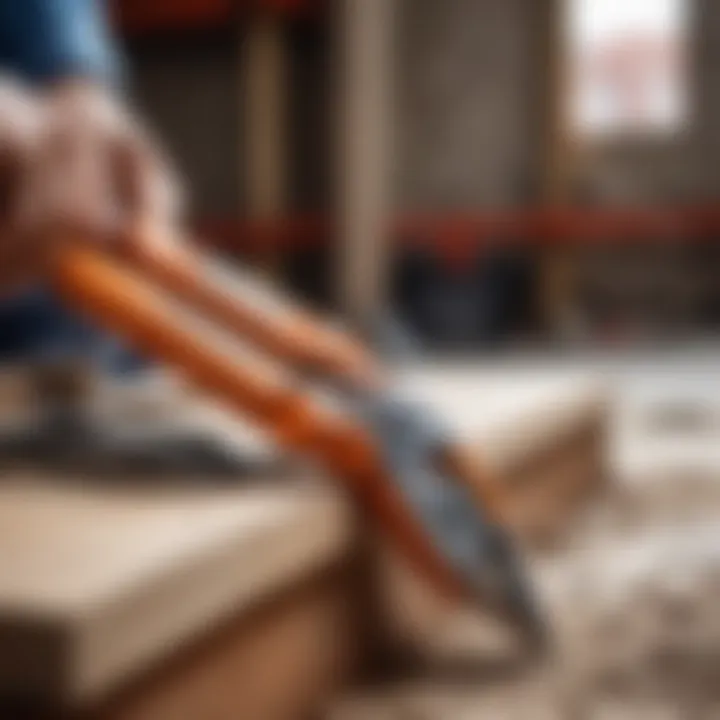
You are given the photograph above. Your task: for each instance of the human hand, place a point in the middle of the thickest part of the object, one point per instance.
(75, 162)
(21, 122)
(98, 168)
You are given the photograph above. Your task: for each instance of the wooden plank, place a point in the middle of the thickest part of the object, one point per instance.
(286, 660)
(115, 580)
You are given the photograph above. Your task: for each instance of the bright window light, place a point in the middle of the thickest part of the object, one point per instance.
(628, 66)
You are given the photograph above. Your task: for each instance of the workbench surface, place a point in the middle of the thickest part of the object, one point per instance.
(102, 579)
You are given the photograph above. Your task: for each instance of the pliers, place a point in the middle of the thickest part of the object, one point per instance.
(184, 309)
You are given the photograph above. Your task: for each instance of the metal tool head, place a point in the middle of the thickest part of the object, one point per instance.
(480, 553)
(503, 582)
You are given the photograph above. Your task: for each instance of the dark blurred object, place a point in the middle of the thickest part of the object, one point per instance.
(465, 281)
(308, 272)
(482, 300)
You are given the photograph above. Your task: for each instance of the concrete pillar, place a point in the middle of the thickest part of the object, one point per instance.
(364, 36)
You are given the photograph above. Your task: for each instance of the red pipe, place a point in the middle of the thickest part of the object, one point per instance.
(142, 16)
(456, 237)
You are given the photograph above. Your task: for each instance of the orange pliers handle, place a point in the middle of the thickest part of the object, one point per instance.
(291, 334)
(126, 300)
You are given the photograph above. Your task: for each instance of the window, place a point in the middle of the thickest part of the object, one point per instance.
(628, 66)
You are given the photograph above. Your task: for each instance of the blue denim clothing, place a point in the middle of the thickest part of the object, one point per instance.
(42, 41)
(34, 325)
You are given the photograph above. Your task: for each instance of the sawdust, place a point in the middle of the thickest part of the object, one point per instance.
(634, 602)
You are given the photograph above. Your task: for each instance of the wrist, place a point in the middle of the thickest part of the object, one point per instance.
(75, 89)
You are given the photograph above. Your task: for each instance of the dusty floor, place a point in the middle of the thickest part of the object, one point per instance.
(633, 602)
(633, 596)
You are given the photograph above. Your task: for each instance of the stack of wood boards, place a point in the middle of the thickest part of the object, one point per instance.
(132, 601)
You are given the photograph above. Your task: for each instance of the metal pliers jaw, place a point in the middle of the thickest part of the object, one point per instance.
(479, 551)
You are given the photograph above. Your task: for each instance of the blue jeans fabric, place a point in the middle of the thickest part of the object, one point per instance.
(36, 327)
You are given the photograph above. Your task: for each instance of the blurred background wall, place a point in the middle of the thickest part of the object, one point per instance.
(480, 126)
(472, 108)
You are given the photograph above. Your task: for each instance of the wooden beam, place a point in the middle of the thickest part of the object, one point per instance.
(364, 36)
(264, 103)
(557, 267)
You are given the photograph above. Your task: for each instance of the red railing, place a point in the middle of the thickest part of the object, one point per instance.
(453, 236)
(135, 17)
